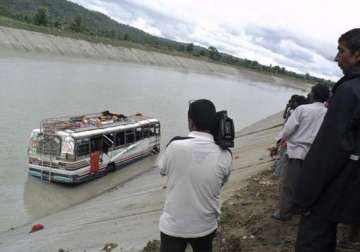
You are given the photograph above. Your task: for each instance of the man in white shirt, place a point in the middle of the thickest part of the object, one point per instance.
(197, 169)
(299, 133)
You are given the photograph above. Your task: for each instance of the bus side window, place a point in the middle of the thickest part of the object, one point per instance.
(119, 138)
(108, 140)
(83, 147)
(157, 129)
(152, 130)
(139, 134)
(95, 143)
(130, 136)
(146, 132)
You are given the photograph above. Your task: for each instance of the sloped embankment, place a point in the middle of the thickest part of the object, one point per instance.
(29, 41)
(246, 226)
(23, 41)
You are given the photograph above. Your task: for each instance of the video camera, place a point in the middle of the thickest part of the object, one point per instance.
(223, 131)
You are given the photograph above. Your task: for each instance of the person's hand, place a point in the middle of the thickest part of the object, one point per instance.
(283, 142)
(273, 151)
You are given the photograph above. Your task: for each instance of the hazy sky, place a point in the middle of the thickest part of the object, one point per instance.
(299, 35)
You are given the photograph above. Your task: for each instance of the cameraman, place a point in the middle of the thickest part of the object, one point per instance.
(197, 169)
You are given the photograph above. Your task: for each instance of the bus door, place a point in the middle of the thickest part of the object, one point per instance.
(95, 153)
(108, 144)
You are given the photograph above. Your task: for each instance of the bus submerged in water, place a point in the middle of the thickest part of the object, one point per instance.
(79, 148)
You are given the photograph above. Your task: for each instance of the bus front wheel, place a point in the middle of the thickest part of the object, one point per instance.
(111, 167)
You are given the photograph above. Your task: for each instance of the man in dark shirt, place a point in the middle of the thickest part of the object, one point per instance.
(329, 183)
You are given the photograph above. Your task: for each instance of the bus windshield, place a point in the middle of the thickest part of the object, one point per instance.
(44, 144)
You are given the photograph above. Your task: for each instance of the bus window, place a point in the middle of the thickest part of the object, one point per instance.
(130, 136)
(83, 147)
(108, 141)
(95, 143)
(119, 138)
(34, 142)
(139, 134)
(157, 129)
(149, 131)
(152, 130)
(145, 132)
(49, 145)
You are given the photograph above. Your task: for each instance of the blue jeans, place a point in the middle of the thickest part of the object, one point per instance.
(281, 162)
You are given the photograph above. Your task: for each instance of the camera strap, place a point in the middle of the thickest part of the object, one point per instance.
(227, 149)
(177, 138)
(184, 138)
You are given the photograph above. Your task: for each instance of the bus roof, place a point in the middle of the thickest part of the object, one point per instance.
(98, 131)
(93, 124)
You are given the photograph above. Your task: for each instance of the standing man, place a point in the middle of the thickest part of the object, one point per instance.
(299, 133)
(197, 169)
(329, 183)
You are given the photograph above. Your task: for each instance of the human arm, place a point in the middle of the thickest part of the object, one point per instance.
(162, 163)
(291, 124)
(225, 163)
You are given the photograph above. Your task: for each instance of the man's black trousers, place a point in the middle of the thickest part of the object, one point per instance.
(316, 234)
(177, 244)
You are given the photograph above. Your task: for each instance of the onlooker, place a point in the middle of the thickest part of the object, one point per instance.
(288, 107)
(197, 169)
(299, 133)
(329, 184)
(293, 103)
(281, 162)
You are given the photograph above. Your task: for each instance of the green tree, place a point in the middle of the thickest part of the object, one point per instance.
(76, 25)
(112, 34)
(4, 12)
(213, 53)
(41, 16)
(190, 47)
(58, 25)
(276, 69)
(27, 19)
(203, 53)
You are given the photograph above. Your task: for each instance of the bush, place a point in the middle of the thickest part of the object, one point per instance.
(41, 16)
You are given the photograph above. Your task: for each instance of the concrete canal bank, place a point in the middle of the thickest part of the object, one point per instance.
(39, 43)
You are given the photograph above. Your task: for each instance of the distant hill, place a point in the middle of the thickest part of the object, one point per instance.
(63, 14)
(68, 19)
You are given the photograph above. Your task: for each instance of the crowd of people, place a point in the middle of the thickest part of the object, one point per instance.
(303, 121)
(319, 169)
(319, 150)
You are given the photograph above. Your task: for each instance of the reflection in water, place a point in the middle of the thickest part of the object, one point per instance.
(42, 198)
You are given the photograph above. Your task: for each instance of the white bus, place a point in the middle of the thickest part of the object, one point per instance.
(80, 148)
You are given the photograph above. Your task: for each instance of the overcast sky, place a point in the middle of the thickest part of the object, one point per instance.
(299, 35)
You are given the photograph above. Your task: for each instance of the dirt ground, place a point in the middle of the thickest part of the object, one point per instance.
(246, 225)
